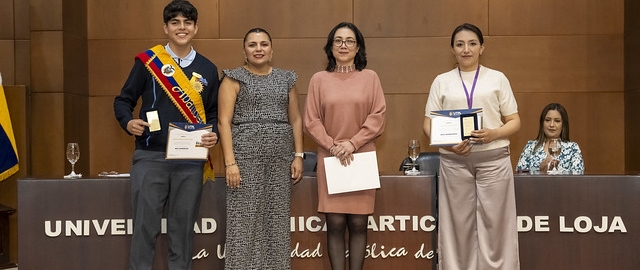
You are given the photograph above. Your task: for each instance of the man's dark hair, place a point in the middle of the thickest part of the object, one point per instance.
(180, 7)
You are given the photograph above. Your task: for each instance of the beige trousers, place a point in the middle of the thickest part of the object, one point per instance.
(477, 227)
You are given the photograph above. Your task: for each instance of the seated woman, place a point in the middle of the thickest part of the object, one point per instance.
(554, 123)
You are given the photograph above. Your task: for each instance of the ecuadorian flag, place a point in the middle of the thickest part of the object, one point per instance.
(8, 150)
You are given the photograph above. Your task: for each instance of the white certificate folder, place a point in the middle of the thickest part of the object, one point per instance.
(450, 127)
(361, 174)
(184, 141)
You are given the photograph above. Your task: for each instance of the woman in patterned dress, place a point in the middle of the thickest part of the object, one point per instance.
(345, 112)
(554, 123)
(261, 136)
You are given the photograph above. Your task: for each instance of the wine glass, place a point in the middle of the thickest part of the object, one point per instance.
(73, 154)
(554, 150)
(414, 152)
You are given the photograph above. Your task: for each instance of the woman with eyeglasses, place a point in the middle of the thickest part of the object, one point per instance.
(345, 113)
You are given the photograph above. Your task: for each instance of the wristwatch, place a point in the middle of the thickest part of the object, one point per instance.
(299, 155)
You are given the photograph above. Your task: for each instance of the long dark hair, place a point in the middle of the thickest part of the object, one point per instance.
(361, 56)
(564, 134)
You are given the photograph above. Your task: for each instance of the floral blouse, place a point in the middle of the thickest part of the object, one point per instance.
(570, 158)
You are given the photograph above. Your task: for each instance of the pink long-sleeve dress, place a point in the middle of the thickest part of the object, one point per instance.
(344, 107)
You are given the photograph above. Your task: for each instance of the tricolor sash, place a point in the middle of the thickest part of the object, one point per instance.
(184, 93)
(175, 83)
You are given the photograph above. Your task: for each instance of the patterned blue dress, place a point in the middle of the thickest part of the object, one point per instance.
(570, 158)
(258, 213)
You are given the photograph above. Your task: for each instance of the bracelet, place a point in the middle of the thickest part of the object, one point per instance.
(229, 165)
(299, 155)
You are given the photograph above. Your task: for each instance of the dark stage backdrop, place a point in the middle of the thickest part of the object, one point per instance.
(565, 222)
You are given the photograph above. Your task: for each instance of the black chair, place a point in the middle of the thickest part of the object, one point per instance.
(310, 163)
(427, 163)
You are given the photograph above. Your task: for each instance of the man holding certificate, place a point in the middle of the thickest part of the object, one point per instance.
(179, 91)
(464, 116)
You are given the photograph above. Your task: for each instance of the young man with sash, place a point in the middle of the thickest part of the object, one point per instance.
(176, 84)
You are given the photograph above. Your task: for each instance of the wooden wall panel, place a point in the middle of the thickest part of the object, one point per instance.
(74, 19)
(22, 62)
(6, 20)
(404, 118)
(558, 63)
(417, 18)
(75, 77)
(632, 85)
(47, 61)
(108, 140)
(552, 17)
(22, 19)
(408, 65)
(285, 18)
(45, 15)
(75, 129)
(111, 61)
(7, 64)
(47, 135)
(632, 118)
(143, 19)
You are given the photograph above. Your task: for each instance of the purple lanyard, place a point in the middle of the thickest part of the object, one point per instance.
(473, 88)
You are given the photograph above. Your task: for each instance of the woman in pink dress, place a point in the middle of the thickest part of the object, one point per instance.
(345, 113)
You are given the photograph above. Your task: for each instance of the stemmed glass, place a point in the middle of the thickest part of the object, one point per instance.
(73, 154)
(554, 150)
(414, 152)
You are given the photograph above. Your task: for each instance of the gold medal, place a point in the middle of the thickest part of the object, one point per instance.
(197, 86)
(195, 82)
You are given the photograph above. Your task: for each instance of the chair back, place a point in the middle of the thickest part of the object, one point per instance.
(427, 163)
(310, 163)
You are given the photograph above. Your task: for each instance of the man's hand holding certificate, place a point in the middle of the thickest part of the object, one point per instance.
(450, 127)
(184, 141)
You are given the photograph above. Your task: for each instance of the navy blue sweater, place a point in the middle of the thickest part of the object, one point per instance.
(141, 83)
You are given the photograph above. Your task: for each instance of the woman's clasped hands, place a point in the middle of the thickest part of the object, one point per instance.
(343, 151)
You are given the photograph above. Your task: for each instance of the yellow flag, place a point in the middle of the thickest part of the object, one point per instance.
(8, 150)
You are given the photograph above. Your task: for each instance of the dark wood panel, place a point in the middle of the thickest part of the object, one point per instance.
(550, 17)
(551, 64)
(143, 19)
(284, 18)
(6, 20)
(417, 18)
(47, 62)
(47, 137)
(564, 222)
(7, 65)
(45, 15)
(403, 221)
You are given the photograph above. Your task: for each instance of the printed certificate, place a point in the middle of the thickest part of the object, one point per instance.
(184, 141)
(361, 174)
(450, 127)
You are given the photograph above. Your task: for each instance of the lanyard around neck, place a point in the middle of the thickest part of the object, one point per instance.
(473, 87)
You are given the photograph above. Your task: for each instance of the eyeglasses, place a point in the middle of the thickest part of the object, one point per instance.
(349, 42)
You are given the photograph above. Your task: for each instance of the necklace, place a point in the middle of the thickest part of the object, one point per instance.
(260, 72)
(345, 69)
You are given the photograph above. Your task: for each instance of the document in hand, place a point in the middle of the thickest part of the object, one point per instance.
(361, 174)
(184, 141)
(450, 127)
